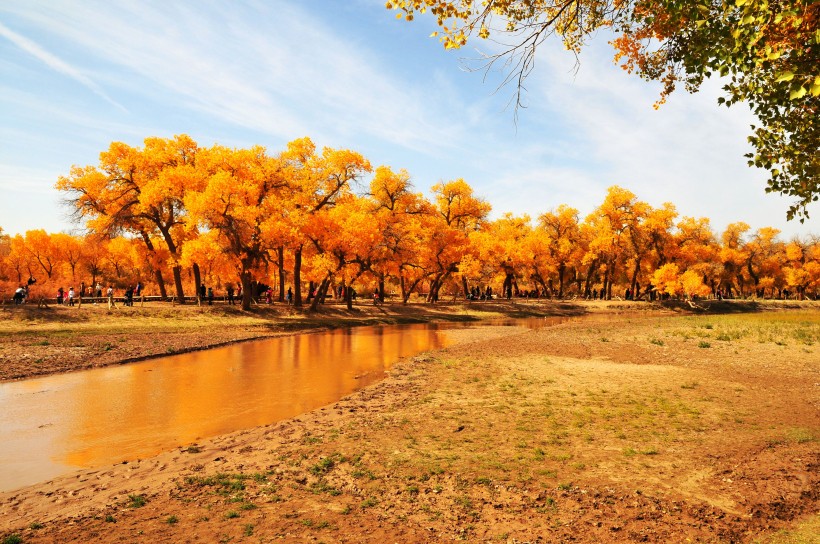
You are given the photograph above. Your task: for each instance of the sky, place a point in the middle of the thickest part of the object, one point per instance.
(76, 76)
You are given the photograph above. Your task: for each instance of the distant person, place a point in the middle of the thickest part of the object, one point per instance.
(230, 293)
(60, 295)
(210, 296)
(110, 294)
(289, 296)
(71, 296)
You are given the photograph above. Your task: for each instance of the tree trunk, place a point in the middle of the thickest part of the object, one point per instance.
(247, 289)
(464, 287)
(432, 296)
(349, 296)
(280, 253)
(297, 278)
(177, 270)
(160, 283)
(319, 292)
(610, 280)
(588, 282)
(323, 292)
(546, 288)
(407, 291)
(635, 275)
(561, 270)
(197, 278)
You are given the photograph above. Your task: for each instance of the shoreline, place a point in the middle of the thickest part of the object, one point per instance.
(37, 342)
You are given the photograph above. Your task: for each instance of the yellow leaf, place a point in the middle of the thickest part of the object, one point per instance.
(797, 93)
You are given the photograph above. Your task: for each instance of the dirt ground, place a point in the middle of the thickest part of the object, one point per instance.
(623, 423)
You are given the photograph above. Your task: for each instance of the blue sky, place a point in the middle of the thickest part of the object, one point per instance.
(75, 76)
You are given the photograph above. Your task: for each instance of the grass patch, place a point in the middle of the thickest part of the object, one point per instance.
(136, 501)
(800, 435)
(804, 533)
(326, 464)
(368, 503)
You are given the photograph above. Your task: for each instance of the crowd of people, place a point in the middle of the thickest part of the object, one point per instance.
(265, 294)
(94, 294)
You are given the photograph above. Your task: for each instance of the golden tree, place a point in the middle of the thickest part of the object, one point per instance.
(138, 191)
(562, 239)
(317, 182)
(240, 198)
(404, 218)
(459, 212)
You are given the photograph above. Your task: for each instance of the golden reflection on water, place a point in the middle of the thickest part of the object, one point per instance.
(97, 417)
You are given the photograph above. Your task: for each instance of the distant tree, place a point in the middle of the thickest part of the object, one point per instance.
(563, 234)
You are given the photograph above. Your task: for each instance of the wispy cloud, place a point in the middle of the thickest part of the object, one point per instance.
(275, 69)
(689, 152)
(55, 63)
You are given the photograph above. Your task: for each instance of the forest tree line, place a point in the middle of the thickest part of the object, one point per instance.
(173, 215)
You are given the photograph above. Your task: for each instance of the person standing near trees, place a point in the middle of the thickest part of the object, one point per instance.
(110, 295)
(71, 296)
(210, 296)
(229, 288)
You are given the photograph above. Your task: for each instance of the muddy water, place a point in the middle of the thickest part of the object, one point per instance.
(52, 425)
